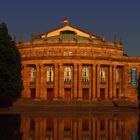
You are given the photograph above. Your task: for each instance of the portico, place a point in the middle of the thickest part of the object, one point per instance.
(73, 81)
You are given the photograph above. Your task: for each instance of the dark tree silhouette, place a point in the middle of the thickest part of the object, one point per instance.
(10, 69)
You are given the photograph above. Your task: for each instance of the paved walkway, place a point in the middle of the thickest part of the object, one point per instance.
(34, 106)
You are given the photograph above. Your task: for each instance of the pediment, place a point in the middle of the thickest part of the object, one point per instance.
(69, 28)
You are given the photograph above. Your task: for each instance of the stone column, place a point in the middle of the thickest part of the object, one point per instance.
(37, 81)
(106, 84)
(27, 76)
(23, 79)
(126, 80)
(56, 82)
(123, 81)
(110, 82)
(80, 82)
(120, 82)
(94, 82)
(75, 82)
(114, 82)
(26, 81)
(61, 81)
(43, 87)
(98, 81)
(90, 82)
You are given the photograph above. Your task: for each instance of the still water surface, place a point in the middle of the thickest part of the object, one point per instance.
(70, 126)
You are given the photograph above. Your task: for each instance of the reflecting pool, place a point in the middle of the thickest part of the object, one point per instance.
(70, 126)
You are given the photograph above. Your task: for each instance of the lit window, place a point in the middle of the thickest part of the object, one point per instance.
(67, 74)
(84, 53)
(102, 75)
(50, 73)
(51, 52)
(67, 53)
(85, 74)
(33, 74)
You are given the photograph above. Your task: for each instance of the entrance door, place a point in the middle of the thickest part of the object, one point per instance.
(85, 93)
(33, 93)
(50, 124)
(67, 94)
(50, 93)
(67, 125)
(102, 93)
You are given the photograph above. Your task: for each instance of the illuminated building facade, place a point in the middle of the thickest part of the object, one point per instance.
(68, 63)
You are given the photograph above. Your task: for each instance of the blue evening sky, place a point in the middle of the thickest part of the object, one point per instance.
(110, 17)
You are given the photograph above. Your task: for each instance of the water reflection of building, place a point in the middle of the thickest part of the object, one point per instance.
(71, 64)
(80, 128)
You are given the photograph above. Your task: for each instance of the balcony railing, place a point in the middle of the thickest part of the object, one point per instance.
(50, 82)
(68, 82)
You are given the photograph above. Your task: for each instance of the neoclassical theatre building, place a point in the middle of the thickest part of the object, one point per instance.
(68, 63)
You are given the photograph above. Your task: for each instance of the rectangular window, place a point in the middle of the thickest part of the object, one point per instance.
(50, 74)
(67, 53)
(133, 76)
(33, 74)
(67, 74)
(85, 74)
(102, 75)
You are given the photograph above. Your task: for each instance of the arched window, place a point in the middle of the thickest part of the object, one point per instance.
(50, 74)
(67, 74)
(102, 75)
(85, 74)
(33, 74)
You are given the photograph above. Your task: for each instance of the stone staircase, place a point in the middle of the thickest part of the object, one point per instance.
(62, 103)
(125, 103)
(26, 105)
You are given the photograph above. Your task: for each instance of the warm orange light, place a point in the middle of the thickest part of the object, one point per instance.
(65, 20)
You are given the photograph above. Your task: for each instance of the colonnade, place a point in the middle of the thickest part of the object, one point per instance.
(110, 86)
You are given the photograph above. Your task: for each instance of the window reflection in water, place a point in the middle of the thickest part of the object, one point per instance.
(82, 127)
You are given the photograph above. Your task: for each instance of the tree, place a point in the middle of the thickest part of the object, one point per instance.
(10, 69)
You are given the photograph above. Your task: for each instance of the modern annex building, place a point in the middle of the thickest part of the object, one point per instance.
(68, 63)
